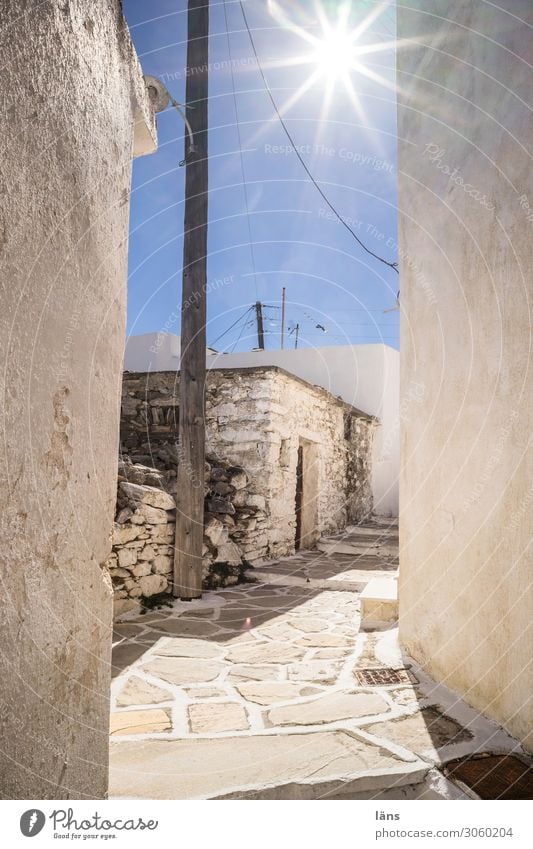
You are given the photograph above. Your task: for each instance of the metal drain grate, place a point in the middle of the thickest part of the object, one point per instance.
(383, 676)
(493, 776)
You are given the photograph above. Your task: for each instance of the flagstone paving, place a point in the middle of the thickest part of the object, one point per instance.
(251, 693)
(348, 560)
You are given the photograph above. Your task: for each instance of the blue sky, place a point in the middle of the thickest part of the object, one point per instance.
(350, 147)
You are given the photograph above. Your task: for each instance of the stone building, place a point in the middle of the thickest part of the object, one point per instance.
(74, 111)
(364, 376)
(287, 462)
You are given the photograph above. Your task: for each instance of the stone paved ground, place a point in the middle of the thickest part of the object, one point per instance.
(346, 561)
(252, 692)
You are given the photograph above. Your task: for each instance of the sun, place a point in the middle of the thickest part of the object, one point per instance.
(335, 54)
(337, 49)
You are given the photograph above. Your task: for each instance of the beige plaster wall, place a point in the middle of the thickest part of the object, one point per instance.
(72, 93)
(466, 257)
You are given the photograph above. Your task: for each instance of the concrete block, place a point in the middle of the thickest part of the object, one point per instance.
(379, 602)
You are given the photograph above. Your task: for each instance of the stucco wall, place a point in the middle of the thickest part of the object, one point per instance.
(152, 352)
(366, 376)
(72, 93)
(466, 257)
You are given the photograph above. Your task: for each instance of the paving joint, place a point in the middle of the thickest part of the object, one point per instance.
(250, 692)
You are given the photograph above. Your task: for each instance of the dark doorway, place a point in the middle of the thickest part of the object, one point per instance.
(306, 496)
(299, 497)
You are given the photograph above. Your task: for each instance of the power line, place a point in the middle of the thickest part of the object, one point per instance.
(237, 124)
(348, 336)
(245, 325)
(353, 310)
(232, 325)
(393, 265)
(322, 313)
(338, 327)
(313, 321)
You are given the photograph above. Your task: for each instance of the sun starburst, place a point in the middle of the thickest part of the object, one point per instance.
(335, 49)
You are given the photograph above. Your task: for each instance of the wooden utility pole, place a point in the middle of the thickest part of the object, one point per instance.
(282, 317)
(260, 330)
(191, 451)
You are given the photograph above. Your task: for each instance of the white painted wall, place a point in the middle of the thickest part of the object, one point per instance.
(366, 376)
(466, 248)
(152, 352)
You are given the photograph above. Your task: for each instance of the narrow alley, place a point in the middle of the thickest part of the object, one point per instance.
(272, 690)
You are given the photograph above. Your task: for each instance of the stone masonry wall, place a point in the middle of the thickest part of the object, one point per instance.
(255, 420)
(141, 562)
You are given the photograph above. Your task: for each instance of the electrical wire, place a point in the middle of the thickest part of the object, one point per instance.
(313, 321)
(231, 326)
(355, 309)
(342, 310)
(246, 324)
(393, 265)
(237, 124)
